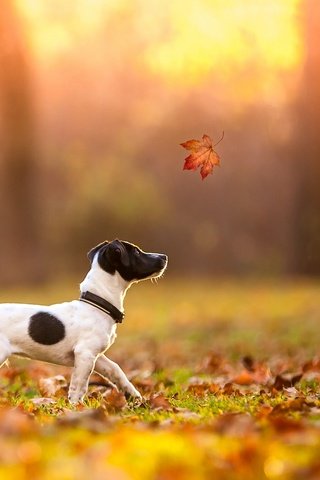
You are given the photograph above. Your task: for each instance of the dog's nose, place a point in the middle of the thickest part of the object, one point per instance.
(164, 258)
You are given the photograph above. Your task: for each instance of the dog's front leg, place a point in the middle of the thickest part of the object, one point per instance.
(84, 361)
(111, 370)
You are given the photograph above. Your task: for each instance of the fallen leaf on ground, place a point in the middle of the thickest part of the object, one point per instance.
(43, 401)
(159, 402)
(114, 400)
(145, 385)
(258, 373)
(53, 386)
(202, 155)
(244, 378)
(248, 363)
(284, 381)
(312, 365)
(202, 389)
(214, 363)
(295, 405)
(291, 392)
(229, 389)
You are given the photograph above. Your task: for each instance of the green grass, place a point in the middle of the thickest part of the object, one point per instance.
(170, 331)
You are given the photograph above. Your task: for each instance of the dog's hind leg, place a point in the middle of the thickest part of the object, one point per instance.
(5, 349)
(108, 369)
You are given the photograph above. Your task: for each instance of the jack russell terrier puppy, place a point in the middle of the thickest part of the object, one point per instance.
(77, 333)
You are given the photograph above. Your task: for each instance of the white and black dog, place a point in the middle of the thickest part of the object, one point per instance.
(77, 333)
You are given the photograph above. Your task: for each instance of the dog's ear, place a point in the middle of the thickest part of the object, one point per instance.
(91, 254)
(118, 254)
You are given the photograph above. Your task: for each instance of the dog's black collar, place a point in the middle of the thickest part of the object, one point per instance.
(102, 305)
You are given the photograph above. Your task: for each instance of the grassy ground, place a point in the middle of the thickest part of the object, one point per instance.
(230, 378)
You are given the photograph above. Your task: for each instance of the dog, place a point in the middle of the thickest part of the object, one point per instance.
(77, 333)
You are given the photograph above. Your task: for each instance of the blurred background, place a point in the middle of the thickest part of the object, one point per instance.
(97, 95)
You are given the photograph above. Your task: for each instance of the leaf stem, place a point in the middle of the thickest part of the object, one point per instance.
(220, 139)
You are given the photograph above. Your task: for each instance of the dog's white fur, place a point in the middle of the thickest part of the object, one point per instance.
(89, 333)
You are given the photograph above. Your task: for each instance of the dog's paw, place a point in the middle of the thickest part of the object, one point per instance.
(75, 398)
(132, 395)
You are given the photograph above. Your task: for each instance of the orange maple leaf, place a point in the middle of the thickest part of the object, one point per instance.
(202, 154)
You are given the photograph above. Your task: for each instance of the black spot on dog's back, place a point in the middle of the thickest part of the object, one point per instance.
(46, 328)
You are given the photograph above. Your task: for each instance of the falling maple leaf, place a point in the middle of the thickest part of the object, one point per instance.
(202, 154)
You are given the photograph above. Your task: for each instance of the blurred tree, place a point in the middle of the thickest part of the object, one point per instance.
(306, 254)
(19, 238)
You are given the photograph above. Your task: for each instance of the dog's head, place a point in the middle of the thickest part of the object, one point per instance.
(128, 260)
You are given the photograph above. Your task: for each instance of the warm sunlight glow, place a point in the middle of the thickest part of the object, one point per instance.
(225, 36)
(56, 26)
(182, 43)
